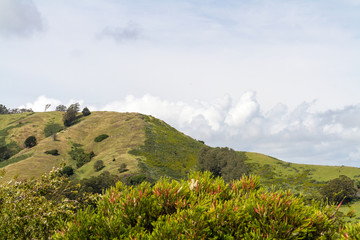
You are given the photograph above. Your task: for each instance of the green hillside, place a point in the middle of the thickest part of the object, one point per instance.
(156, 149)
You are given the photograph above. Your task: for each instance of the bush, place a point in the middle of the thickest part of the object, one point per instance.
(34, 209)
(67, 170)
(123, 168)
(30, 142)
(101, 137)
(80, 156)
(203, 207)
(86, 111)
(53, 152)
(98, 165)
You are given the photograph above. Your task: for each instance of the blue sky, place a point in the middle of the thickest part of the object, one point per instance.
(277, 77)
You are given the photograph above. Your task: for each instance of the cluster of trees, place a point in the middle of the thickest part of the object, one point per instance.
(5, 110)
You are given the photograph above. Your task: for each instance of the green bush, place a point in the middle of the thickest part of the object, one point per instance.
(68, 170)
(35, 209)
(54, 152)
(30, 142)
(123, 168)
(86, 111)
(98, 165)
(79, 155)
(204, 207)
(101, 137)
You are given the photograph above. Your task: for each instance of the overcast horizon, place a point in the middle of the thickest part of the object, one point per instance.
(276, 77)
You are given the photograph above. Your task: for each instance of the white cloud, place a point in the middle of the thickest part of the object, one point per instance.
(299, 135)
(39, 104)
(19, 18)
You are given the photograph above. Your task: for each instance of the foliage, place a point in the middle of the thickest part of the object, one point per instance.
(61, 108)
(203, 207)
(340, 189)
(67, 170)
(86, 111)
(30, 142)
(78, 154)
(3, 109)
(99, 183)
(15, 159)
(35, 209)
(223, 162)
(52, 128)
(70, 114)
(53, 152)
(101, 137)
(166, 152)
(98, 165)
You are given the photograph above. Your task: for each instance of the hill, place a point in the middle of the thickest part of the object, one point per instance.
(145, 144)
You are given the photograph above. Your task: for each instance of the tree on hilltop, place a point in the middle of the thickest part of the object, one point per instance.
(70, 114)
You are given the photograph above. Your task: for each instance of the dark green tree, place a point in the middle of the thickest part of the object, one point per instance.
(86, 111)
(30, 142)
(70, 114)
(99, 183)
(339, 189)
(98, 165)
(222, 162)
(61, 108)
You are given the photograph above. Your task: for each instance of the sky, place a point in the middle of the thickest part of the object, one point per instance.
(270, 76)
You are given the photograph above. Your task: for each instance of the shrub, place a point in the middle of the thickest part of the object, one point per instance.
(79, 155)
(86, 111)
(30, 142)
(98, 165)
(53, 152)
(203, 207)
(101, 137)
(123, 168)
(68, 170)
(34, 209)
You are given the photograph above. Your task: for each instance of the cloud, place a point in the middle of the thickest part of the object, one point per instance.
(19, 18)
(300, 134)
(120, 34)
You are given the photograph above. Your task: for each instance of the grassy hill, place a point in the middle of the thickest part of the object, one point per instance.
(156, 149)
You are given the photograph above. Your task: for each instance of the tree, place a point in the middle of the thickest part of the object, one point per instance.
(86, 111)
(30, 142)
(98, 165)
(222, 162)
(70, 114)
(61, 108)
(3, 109)
(339, 189)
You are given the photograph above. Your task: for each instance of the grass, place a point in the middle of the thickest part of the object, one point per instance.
(125, 130)
(166, 151)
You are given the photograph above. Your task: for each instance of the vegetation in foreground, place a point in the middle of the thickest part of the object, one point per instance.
(201, 207)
